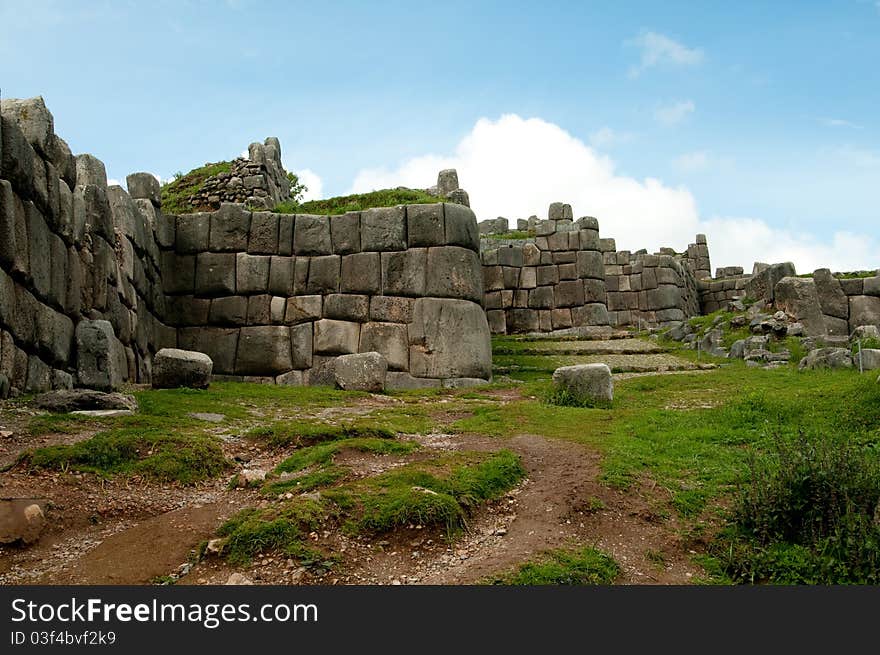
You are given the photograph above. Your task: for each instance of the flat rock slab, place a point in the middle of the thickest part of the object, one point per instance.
(103, 413)
(76, 400)
(207, 416)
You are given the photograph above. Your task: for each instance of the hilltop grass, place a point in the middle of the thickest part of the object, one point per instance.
(512, 234)
(359, 202)
(586, 566)
(176, 194)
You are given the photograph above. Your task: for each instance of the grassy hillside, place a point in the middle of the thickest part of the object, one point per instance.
(176, 194)
(358, 202)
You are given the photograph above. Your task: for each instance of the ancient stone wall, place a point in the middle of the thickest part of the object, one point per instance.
(279, 296)
(555, 281)
(727, 286)
(79, 263)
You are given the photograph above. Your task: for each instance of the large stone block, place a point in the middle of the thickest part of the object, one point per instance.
(230, 227)
(311, 235)
(285, 234)
(520, 320)
(542, 298)
(324, 273)
(39, 376)
(220, 344)
(173, 368)
(146, 186)
(585, 384)
(497, 321)
(863, 310)
(333, 337)
(347, 307)
(569, 293)
(191, 233)
(461, 227)
(251, 273)
(263, 350)
(590, 314)
(178, 273)
(33, 119)
(90, 170)
(263, 239)
(762, 285)
(97, 356)
(301, 346)
(361, 273)
(871, 286)
(797, 297)
(383, 229)
(361, 372)
(594, 291)
(391, 309)
(345, 233)
(263, 309)
(389, 339)
(303, 308)
(230, 310)
(38, 250)
(822, 358)
(493, 278)
(449, 338)
(665, 296)
(454, 272)
(404, 273)
(215, 274)
(17, 158)
(12, 223)
(425, 225)
(281, 280)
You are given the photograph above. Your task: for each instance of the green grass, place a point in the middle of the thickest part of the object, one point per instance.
(322, 477)
(359, 202)
(512, 234)
(176, 194)
(586, 566)
(323, 453)
(308, 433)
(283, 529)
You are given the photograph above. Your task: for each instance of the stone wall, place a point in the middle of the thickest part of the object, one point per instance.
(80, 284)
(555, 281)
(95, 279)
(279, 296)
(728, 286)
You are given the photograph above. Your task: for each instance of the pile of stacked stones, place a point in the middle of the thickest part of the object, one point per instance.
(259, 181)
(447, 188)
(698, 257)
(555, 282)
(728, 286)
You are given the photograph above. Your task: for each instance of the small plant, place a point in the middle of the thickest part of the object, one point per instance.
(564, 398)
(587, 566)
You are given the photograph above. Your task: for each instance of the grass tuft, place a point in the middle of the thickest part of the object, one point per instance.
(587, 566)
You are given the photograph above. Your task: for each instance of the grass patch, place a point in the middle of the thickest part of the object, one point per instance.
(307, 433)
(564, 398)
(512, 234)
(587, 566)
(176, 195)
(253, 532)
(359, 202)
(322, 477)
(323, 453)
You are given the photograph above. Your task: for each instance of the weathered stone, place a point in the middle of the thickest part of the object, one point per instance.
(333, 337)
(173, 368)
(383, 229)
(832, 299)
(391, 309)
(263, 238)
(404, 273)
(865, 332)
(301, 346)
(798, 298)
(449, 338)
(665, 296)
(229, 310)
(347, 307)
(230, 226)
(324, 274)
(361, 372)
(585, 384)
(542, 298)
(447, 181)
(763, 282)
(461, 227)
(871, 286)
(361, 273)
(251, 273)
(263, 350)
(90, 170)
(867, 359)
(39, 376)
(388, 339)
(215, 273)
(191, 233)
(454, 272)
(97, 356)
(311, 235)
(219, 344)
(402, 381)
(146, 186)
(590, 314)
(281, 278)
(425, 225)
(520, 320)
(21, 520)
(345, 233)
(826, 358)
(569, 293)
(303, 308)
(863, 310)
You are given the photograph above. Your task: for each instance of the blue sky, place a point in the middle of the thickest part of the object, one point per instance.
(758, 120)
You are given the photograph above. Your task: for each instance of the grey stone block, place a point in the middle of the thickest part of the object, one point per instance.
(324, 274)
(822, 358)
(263, 350)
(90, 170)
(347, 307)
(230, 227)
(191, 233)
(231, 310)
(497, 321)
(174, 368)
(871, 286)
(454, 272)
(449, 338)
(542, 298)
(303, 308)
(665, 296)
(345, 233)
(259, 309)
(425, 225)
(220, 344)
(569, 293)
(547, 275)
(389, 339)
(97, 356)
(39, 376)
(333, 337)
(361, 273)
(251, 273)
(493, 278)
(311, 235)
(586, 383)
(402, 381)
(832, 299)
(391, 309)
(33, 119)
(589, 265)
(404, 273)
(461, 227)
(281, 280)
(285, 234)
(263, 238)
(383, 229)
(146, 186)
(361, 372)
(301, 345)
(863, 310)
(798, 298)
(13, 231)
(215, 274)
(178, 273)
(510, 256)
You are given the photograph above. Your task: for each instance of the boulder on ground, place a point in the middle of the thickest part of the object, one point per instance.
(361, 372)
(21, 520)
(63, 401)
(798, 297)
(99, 355)
(870, 359)
(866, 332)
(585, 384)
(826, 358)
(174, 368)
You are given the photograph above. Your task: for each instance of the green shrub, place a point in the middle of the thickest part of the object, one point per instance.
(564, 398)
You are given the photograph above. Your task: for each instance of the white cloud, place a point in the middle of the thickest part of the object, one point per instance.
(515, 167)
(658, 50)
(605, 137)
(840, 122)
(674, 113)
(313, 182)
(692, 162)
